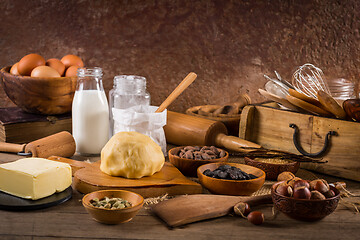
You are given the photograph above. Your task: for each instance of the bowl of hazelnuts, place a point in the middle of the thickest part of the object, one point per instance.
(188, 158)
(304, 200)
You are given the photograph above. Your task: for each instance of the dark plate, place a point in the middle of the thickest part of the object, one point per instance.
(13, 203)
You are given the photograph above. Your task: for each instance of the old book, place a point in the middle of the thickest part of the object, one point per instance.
(17, 126)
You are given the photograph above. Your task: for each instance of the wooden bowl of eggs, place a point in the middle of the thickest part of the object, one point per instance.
(42, 87)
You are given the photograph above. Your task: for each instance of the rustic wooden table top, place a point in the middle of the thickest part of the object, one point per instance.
(71, 221)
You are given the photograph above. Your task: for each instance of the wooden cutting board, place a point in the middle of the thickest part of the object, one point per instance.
(88, 178)
(192, 208)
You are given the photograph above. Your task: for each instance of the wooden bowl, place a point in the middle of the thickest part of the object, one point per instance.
(231, 121)
(304, 209)
(273, 170)
(113, 216)
(39, 95)
(188, 167)
(231, 187)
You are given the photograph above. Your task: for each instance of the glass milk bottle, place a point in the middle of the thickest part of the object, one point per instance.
(128, 91)
(90, 112)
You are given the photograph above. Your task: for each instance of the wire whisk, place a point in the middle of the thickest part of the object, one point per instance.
(308, 80)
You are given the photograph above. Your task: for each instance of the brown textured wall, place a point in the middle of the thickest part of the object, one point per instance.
(229, 44)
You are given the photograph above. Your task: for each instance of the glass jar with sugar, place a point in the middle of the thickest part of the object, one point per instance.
(128, 91)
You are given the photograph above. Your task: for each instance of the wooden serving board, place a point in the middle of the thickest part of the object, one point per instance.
(88, 178)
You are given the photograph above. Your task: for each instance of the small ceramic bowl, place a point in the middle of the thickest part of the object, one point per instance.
(188, 167)
(113, 216)
(272, 170)
(305, 209)
(231, 187)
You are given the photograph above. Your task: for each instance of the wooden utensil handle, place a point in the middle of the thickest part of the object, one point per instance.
(257, 200)
(75, 165)
(11, 147)
(235, 143)
(178, 90)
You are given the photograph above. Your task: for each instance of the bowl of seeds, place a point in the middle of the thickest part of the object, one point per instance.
(188, 158)
(231, 178)
(273, 166)
(112, 206)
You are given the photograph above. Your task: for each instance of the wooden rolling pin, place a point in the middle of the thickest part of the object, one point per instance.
(182, 129)
(59, 144)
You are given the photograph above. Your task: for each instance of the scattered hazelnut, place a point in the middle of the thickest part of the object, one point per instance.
(242, 209)
(284, 189)
(256, 217)
(317, 195)
(320, 185)
(300, 183)
(329, 194)
(285, 176)
(302, 193)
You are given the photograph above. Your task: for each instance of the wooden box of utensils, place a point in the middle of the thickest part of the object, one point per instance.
(291, 131)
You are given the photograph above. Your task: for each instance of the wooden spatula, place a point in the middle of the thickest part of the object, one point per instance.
(192, 208)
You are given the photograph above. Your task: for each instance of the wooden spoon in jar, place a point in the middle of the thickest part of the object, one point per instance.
(177, 91)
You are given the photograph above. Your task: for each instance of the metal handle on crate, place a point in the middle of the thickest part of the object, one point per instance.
(302, 151)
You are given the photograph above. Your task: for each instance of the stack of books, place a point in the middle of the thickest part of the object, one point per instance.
(17, 126)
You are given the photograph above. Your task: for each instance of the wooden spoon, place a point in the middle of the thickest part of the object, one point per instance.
(308, 106)
(177, 91)
(330, 104)
(278, 99)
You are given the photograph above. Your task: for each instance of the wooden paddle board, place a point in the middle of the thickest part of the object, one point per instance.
(192, 208)
(88, 178)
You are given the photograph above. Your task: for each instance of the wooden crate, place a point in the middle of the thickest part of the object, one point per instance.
(269, 127)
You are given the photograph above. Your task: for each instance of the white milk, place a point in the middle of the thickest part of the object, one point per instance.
(90, 117)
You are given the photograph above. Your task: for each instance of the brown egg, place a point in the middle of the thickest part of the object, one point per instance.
(56, 64)
(29, 62)
(72, 60)
(14, 69)
(71, 71)
(44, 71)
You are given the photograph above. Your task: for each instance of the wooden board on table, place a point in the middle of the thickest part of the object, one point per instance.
(88, 178)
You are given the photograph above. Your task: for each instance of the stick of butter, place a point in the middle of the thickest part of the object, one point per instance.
(34, 178)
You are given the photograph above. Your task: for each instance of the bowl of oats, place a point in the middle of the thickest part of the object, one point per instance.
(273, 166)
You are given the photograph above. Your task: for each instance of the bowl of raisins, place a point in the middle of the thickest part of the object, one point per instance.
(188, 158)
(231, 178)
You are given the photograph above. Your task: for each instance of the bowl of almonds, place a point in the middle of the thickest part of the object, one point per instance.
(112, 206)
(188, 158)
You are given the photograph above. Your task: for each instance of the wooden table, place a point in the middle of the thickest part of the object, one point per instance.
(71, 221)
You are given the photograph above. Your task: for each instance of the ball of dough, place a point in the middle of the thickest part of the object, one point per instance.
(131, 155)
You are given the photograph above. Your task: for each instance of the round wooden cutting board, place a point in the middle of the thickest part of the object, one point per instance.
(88, 178)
